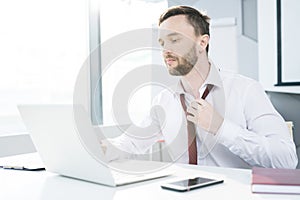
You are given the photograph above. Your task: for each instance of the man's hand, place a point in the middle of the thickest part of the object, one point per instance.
(204, 115)
(103, 146)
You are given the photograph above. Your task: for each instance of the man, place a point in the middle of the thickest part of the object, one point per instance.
(212, 117)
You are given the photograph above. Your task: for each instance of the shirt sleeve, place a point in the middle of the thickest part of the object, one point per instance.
(266, 140)
(136, 140)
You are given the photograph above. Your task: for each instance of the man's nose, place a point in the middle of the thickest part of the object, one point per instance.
(167, 51)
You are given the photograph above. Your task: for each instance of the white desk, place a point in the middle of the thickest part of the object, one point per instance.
(45, 185)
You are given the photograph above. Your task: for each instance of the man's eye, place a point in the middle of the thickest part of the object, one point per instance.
(175, 40)
(161, 42)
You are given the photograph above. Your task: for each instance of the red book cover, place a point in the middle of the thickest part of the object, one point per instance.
(275, 176)
(268, 180)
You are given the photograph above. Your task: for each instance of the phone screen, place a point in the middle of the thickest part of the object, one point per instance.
(189, 184)
(192, 182)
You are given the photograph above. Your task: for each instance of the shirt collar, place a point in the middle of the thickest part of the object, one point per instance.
(213, 79)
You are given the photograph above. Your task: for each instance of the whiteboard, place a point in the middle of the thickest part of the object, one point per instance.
(223, 43)
(290, 41)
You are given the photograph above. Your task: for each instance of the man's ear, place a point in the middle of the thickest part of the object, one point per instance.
(203, 42)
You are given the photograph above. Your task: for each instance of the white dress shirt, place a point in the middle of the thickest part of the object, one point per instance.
(252, 133)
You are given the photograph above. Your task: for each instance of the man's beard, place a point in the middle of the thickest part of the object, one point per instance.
(185, 63)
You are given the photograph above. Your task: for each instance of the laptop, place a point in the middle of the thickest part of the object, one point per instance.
(68, 145)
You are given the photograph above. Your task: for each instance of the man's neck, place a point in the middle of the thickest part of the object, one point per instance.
(193, 81)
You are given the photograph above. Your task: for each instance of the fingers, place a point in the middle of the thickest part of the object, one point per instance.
(198, 103)
(104, 147)
(191, 111)
(192, 119)
(195, 110)
(201, 102)
(195, 105)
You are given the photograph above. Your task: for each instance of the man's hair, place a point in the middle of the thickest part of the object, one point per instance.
(198, 20)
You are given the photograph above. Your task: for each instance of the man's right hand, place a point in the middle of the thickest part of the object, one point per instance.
(103, 146)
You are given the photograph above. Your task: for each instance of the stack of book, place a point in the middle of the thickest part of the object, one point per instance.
(276, 181)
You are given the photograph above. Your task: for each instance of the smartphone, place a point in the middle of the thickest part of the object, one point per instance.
(190, 184)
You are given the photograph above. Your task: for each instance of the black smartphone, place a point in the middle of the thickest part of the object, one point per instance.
(190, 184)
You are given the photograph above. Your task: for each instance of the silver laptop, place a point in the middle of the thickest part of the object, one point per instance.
(68, 145)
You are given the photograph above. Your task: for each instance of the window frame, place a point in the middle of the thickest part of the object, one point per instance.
(96, 100)
(279, 49)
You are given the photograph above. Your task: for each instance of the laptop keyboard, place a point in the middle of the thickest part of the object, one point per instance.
(120, 177)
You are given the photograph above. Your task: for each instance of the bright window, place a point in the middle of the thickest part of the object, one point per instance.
(42, 47)
(116, 18)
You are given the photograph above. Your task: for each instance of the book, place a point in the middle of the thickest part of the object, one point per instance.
(275, 181)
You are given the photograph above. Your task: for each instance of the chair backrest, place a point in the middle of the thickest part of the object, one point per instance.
(290, 125)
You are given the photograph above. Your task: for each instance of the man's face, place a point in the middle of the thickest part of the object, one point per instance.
(177, 38)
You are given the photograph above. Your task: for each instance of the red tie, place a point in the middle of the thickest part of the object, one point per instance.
(192, 131)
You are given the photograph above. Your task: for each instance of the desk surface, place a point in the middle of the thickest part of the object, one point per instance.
(45, 185)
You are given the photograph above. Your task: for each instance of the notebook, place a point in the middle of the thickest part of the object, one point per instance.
(281, 181)
(68, 145)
